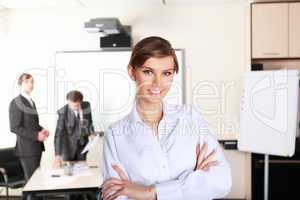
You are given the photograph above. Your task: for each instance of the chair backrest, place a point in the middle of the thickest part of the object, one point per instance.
(11, 163)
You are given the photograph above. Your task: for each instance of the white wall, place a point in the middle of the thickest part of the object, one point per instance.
(3, 21)
(214, 36)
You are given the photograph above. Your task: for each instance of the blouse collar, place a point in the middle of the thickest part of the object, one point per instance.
(170, 113)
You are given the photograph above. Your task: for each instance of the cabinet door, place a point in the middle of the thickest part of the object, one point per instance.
(270, 30)
(294, 29)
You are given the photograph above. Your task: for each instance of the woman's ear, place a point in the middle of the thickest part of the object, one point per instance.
(131, 72)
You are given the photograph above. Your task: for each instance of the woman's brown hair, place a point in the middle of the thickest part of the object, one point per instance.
(23, 77)
(152, 47)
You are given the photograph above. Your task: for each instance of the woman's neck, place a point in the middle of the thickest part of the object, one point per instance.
(151, 113)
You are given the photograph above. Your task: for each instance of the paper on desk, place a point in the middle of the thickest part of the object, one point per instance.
(90, 144)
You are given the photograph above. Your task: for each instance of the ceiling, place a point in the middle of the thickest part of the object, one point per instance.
(19, 4)
(274, 0)
(38, 3)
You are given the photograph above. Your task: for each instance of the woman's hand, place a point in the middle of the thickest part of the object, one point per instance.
(113, 188)
(205, 163)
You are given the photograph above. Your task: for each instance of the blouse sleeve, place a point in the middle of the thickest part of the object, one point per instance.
(200, 185)
(110, 158)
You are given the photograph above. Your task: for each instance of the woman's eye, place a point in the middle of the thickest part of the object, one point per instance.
(147, 72)
(167, 73)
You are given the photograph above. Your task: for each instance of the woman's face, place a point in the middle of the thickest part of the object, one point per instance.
(27, 85)
(153, 79)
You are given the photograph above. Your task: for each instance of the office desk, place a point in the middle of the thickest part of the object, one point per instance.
(42, 184)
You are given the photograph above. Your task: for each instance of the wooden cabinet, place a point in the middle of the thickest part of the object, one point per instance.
(270, 30)
(294, 30)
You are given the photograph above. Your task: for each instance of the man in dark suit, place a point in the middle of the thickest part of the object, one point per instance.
(73, 129)
(24, 122)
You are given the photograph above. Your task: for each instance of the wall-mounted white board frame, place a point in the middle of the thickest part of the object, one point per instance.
(52, 83)
(102, 77)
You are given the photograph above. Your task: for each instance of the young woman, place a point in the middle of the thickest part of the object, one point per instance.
(24, 122)
(161, 151)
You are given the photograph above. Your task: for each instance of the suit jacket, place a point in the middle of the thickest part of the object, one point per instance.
(24, 122)
(66, 140)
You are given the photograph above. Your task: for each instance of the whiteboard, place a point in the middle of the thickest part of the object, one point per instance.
(269, 112)
(100, 75)
(103, 79)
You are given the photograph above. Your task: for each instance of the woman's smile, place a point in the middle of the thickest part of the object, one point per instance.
(154, 92)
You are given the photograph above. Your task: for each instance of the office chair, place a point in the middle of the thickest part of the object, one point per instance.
(11, 172)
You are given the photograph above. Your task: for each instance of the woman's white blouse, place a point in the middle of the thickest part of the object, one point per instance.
(167, 160)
